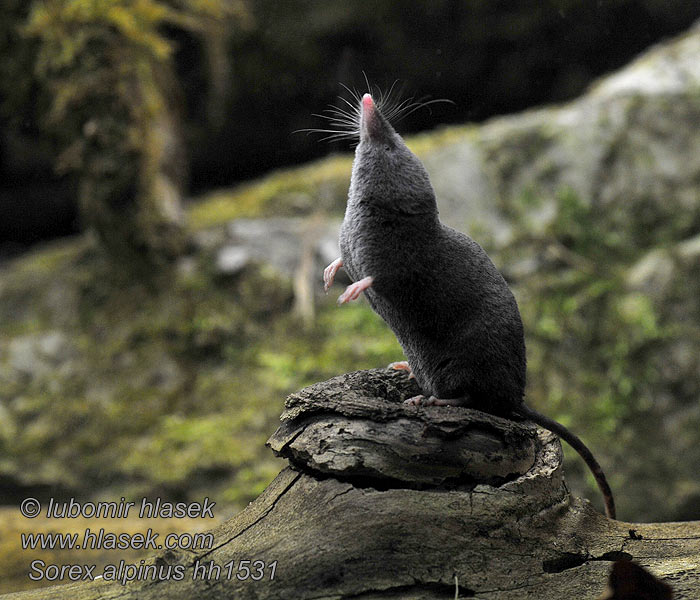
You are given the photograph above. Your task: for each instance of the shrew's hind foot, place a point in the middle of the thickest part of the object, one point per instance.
(422, 400)
(402, 365)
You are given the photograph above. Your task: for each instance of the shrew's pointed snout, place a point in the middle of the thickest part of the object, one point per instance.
(372, 124)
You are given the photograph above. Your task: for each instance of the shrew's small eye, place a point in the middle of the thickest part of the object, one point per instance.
(387, 148)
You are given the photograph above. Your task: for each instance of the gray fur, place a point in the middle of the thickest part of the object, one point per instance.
(451, 310)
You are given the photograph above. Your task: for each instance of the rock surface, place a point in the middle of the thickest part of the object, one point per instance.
(278, 242)
(630, 141)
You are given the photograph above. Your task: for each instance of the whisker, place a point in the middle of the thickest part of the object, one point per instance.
(330, 113)
(318, 130)
(369, 87)
(334, 133)
(341, 110)
(344, 120)
(353, 92)
(386, 100)
(395, 108)
(340, 114)
(387, 96)
(354, 107)
(337, 137)
(411, 108)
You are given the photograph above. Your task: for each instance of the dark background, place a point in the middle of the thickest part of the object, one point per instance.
(286, 60)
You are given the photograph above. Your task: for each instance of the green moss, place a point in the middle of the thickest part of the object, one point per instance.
(320, 186)
(45, 259)
(169, 388)
(595, 346)
(425, 143)
(317, 187)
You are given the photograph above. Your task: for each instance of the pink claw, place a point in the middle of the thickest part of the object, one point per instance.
(353, 291)
(329, 273)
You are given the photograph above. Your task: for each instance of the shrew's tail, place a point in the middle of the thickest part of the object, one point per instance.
(575, 442)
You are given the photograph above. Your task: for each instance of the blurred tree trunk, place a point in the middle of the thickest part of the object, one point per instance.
(109, 73)
(115, 105)
(132, 197)
(219, 67)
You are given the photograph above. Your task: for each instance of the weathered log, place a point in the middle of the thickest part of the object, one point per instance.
(355, 427)
(376, 504)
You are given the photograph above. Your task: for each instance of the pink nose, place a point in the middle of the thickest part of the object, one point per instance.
(368, 121)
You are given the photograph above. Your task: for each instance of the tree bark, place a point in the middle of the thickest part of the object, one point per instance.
(374, 507)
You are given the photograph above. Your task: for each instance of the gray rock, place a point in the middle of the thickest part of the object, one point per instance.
(689, 250)
(279, 242)
(652, 273)
(232, 259)
(33, 355)
(632, 139)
